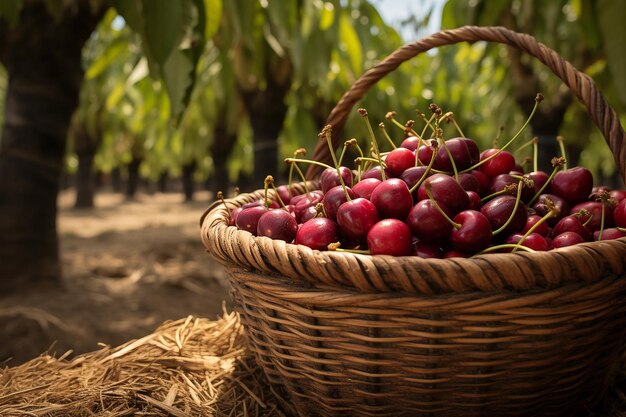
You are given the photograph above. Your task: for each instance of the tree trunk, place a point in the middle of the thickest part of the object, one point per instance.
(116, 179)
(133, 177)
(43, 59)
(85, 180)
(162, 182)
(189, 170)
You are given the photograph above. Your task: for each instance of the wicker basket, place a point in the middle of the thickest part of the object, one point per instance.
(528, 334)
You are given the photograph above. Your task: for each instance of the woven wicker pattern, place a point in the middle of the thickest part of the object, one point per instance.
(525, 334)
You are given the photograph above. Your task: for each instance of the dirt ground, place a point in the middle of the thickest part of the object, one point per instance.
(128, 266)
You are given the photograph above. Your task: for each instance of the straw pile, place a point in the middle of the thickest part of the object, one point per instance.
(189, 367)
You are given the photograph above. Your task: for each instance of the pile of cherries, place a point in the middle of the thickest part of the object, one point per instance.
(436, 198)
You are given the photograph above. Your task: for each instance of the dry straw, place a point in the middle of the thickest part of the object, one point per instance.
(189, 367)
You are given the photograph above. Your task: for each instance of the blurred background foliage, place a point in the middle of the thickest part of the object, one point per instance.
(274, 69)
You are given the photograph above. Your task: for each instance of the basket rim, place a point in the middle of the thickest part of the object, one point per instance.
(583, 263)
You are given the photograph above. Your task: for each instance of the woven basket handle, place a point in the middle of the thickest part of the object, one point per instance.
(581, 84)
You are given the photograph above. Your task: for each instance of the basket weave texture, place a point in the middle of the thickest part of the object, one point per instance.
(525, 334)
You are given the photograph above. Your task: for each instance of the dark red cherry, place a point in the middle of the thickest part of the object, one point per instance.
(277, 224)
(542, 208)
(500, 209)
(483, 181)
(427, 250)
(474, 233)
(285, 193)
(455, 254)
(302, 204)
(389, 237)
(617, 195)
(474, 200)
(595, 210)
(392, 199)
(317, 233)
(233, 216)
(445, 190)
(573, 184)
(427, 223)
(334, 198)
(425, 153)
(365, 187)
(375, 173)
(619, 214)
(459, 152)
(399, 160)
(469, 182)
(412, 175)
(248, 218)
(312, 197)
(539, 179)
(472, 147)
(273, 204)
(356, 218)
(499, 182)
(309, 213)
(329, 178)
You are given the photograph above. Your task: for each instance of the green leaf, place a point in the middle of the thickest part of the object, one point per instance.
(166, 22)
(10, 10)
(131, 11)
(178, 76)
(612, 16)
(327, 16)
(212, 17)
(350, 44)
(105, 60)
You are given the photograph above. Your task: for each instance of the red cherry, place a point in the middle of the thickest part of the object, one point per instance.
(277, 224)
(459, 152)
(474, 200)
(533, 241)
(455, 254)
(469, 182)
(399, 160)
(573, 184)
(375, 172)
(539, 179)
(543, 229)
(365, 187)
(317, 233)
(356, 218)
(474, 233)
(392, 199)
(302, 204)
(617, 195)
(285, 193)
(502, 163)
(483, 181)
(609, 234)
(389, 237)
(412, 175)
(541, 207)
(499, 182)
(566, 239)
(425, 153)
(410, 143)
(233, 216)
(248, 218)
(572, 223)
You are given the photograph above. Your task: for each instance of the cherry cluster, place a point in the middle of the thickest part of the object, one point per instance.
(436, 198)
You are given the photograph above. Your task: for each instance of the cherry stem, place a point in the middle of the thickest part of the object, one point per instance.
(604, 201)
(428, 121)
(280, 200)
(343, 152)
(381, 125)
(328, 133)
(300, 151)
(505, 246)
(621, 229)
(308, 161)
(498, 135)
(425, 174)
(557, 165)
(354, 143)
(518, 198)
(319, 210)
(506, 190)
(535, 154)
(506, 145)
(449, 117)
(443, 213)
(454, 169)
(365, 158)
(562, 148)
(363, 113)
(335, 247)
(552, 213)
(237, 191)
(266, 184)
(527, 144)
(220, 195)
(301, 174)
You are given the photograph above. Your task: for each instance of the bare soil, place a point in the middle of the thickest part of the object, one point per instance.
(128, 266)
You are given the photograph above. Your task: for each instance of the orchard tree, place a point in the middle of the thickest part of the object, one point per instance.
(41, 46)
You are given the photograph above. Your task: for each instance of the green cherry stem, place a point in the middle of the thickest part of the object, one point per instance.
(300, 173)
(505, 246)
(363, 114)
(443, 213)
(449, 117)
(425, 174)
(439, 136)
(557, 163)
(335, 247)
(266, 185)
(220, 195)
(308, 161)
(508, 189)
(518, 198)
(562, 148)
(381, 125)
(327, 132)
(554, 211)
